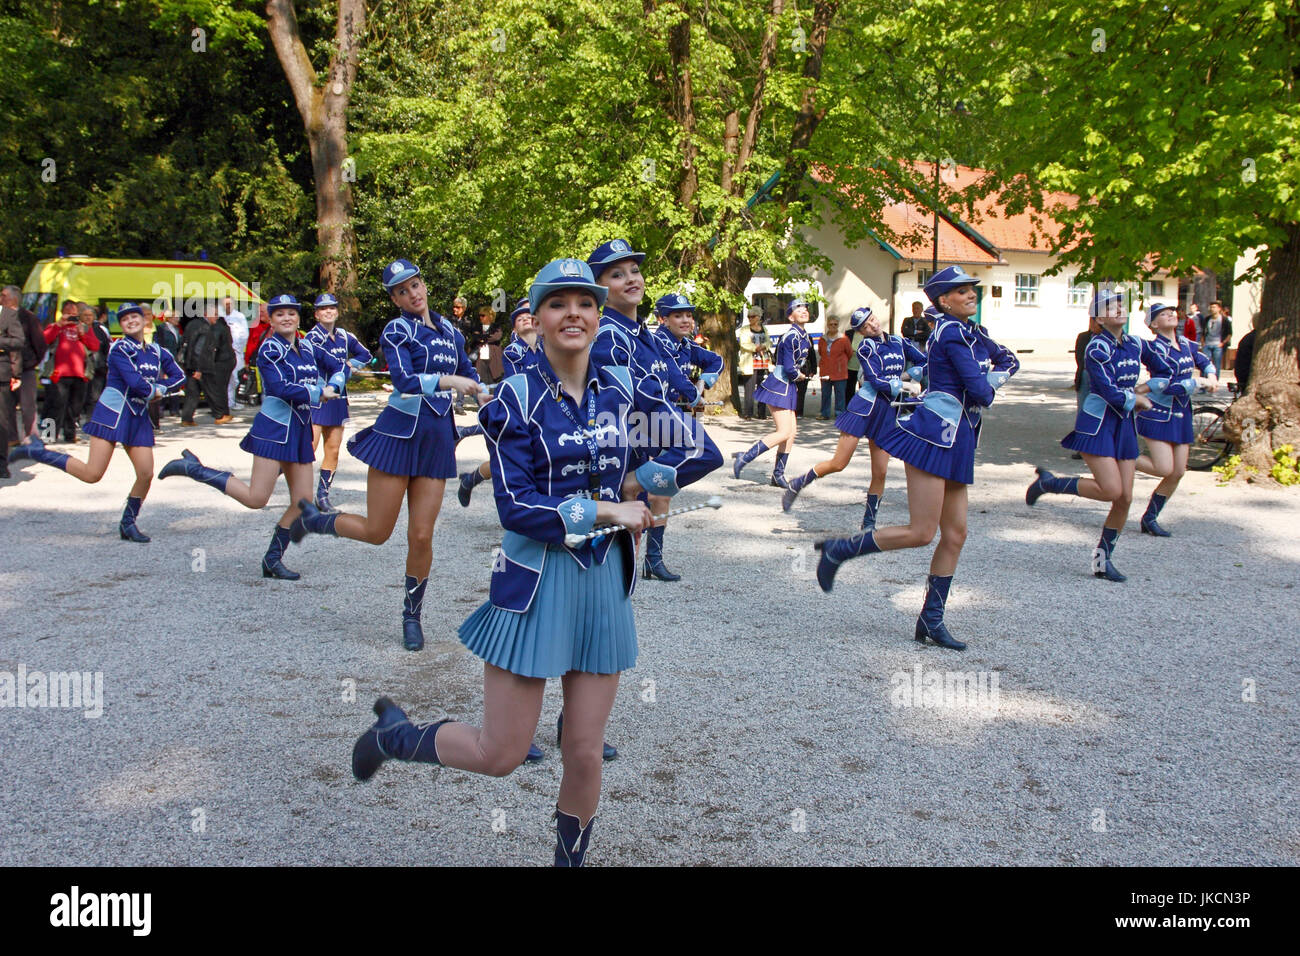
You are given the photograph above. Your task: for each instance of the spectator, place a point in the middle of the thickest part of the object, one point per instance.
(1245, 357)
(752, 364)
(188, 359)
(1194, 322)
(1218, 335)
(168, 336)
(239, 340)
(13, 337)
(459, 318)
(483, 344)
(833, 353)
(806, 372)
(851, 382)
(1081, 369)
(96, 363)
(67, 395)
(214, 361)
(32, 359)
(916, 326)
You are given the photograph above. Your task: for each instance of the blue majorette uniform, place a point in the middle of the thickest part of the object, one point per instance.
(415, 434)
(778, 389)
(519, 356)
(137, 373)
(550, 460)
(690, 358)
(1172, 368)
(293, 376)
(965, 368)
(883, 361)
(1105, 425)
(348, 352)
(554, 608)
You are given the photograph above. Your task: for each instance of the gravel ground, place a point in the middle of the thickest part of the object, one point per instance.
(761, 724)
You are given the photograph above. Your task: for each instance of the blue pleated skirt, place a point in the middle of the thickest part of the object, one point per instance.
(953, 464)
(863, 421)
(296, 450)
(333, 411)
(1176, 431)
(580, 620)
(1116, 438)
(775, 399)
(132, 431)
(429, 453)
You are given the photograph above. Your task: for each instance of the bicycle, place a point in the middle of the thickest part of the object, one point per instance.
(1209, 444)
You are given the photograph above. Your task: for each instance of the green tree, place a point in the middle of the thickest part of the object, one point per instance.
(1177, 126)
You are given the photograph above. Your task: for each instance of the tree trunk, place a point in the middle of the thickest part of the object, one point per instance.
(324, 117)
(1269, 415)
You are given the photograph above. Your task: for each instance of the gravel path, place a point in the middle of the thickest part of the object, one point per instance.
(760, 725)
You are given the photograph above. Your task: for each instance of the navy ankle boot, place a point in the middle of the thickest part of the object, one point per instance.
(412, 608)
(741, 459)
(654, 557)
(272, 566)
(1148, 523)
(1101, 555)
(190, 466)
(35, 450)
(571, 839)
(127, 528)
(796, 485)
(1049, 484)
(869, 516)
(778, 470)
(835, 551)
(468, 482)
(323, 490)
(467, 431)
(930, 623)
(394, 737)
(607, 750)
(313, 519)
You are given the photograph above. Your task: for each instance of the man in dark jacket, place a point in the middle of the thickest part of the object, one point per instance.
(188, 359)
(214, 361)
(95, 384)
(32, 358)
(1245, 358)
(12, 340)
(167, 334)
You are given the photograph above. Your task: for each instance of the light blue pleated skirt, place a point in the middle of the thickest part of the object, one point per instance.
(580, 620)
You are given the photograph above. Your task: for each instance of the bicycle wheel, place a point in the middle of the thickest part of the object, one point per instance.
(1209, 445)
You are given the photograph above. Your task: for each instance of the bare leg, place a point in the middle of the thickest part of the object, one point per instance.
(333, 435)
(96, 463)
(588, 699)
(1120, 504)
(423, 501)
(784, 431)
(1159, 459)
(261, 483)
(844, 450)
(485, 470)
(925, 502)
(384, 494)
(512, 706)
(297, 475)
(879, 470)
(1178, 468)
(315, 436)
(142, 458)
(1105, 483)
(952, 530)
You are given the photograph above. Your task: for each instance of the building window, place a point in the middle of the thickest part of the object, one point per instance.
(1026, 288)
(1080, 293)
(1156, 289)
(923, 276)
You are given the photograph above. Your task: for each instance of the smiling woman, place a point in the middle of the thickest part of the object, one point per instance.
(554, 610)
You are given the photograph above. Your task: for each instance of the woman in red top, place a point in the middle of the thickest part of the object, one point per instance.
(833, 353)
(71, 340)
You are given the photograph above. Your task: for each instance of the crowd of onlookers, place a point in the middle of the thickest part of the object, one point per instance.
(70, 354)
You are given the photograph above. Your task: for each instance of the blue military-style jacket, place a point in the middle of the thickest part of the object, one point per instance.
(293, 376)
(136, 373)
(418, 355)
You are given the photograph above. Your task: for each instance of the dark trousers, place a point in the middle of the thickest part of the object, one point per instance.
(7, 420)
(748, 383)
(216, 389)
(64, 403)
(851, 385)
(27, 396)
(802, 387)
(94, 389)
(193, 392)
